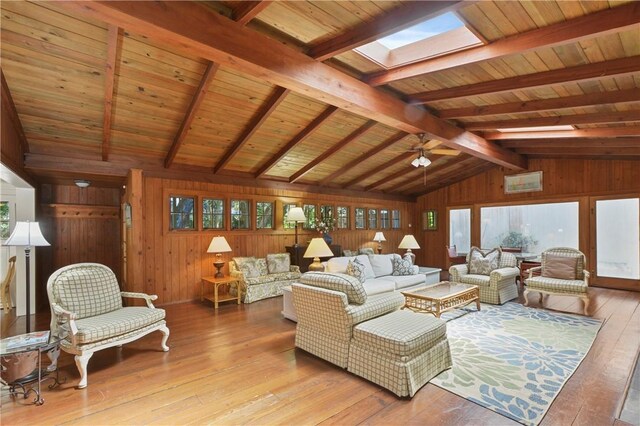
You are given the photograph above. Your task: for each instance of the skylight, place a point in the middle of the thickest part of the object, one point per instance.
(538, 129)
(429, 28)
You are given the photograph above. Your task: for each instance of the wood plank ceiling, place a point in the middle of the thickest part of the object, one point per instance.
(91, 87)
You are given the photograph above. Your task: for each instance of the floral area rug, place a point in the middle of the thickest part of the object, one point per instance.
(513, 359)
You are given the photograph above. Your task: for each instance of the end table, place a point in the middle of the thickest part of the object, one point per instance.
(217, 282)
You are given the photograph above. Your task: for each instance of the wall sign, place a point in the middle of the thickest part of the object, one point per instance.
(525, 182)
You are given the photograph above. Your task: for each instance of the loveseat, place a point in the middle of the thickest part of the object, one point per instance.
(261, 278)
(367, 334)
(497, 284)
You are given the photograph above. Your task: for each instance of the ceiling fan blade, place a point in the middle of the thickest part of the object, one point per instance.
(444, 151)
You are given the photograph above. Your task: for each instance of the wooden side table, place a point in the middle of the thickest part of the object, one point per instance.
(525, 265)
(217, 282)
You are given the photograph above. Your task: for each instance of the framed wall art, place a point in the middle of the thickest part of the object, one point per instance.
(524, 182)
(430, 220)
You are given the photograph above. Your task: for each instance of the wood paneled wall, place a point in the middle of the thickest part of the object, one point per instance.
(82, 225)
(174, 261)
(562, 178)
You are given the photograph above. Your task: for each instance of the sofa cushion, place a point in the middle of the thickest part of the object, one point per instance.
(338, 264)
(479, 280)
(555, 285)
(368, 270)
(250, 266)
(283, 276)
(408, 280)
(562, 267)
(401, 333)
(277, 263)
(116, 323)
(402, 267)
(356, 270)
(378, 285)
(382, 264)
(88, 290)
(338, 282)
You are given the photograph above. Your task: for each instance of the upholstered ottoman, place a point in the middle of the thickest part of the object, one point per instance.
(400, 351)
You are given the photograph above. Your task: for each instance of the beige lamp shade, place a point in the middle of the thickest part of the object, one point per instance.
(296, 214)
(409, 242)
(318, 248)
(218, 245)
(27, 234)
(379, 237)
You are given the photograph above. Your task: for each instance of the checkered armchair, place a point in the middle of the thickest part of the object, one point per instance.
(498, 287)
(578, 287)
(86, 308)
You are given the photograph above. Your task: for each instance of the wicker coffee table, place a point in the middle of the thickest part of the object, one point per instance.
(441, 297)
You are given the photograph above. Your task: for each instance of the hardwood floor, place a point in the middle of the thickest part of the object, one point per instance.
(239, 365)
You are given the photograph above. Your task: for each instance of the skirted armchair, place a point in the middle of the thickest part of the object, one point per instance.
(562, 273)
(86, 309)
(496, 286)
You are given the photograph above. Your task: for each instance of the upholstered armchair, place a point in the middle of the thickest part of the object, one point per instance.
(87, 311)
(563, 273)
(498, 286)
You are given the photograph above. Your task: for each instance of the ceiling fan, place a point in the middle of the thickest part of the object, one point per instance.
(429, 147)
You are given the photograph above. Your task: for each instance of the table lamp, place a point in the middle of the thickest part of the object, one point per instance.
(379, 238)
(409, 242)
(296, 215)
(27, 234)
(317, 248)
(218, 246)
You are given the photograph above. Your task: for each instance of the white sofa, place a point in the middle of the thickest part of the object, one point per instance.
(379, 278)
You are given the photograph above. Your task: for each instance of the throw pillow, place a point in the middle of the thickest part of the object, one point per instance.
(261, 264)
(562, 267)
(402, 267)
(492, 255)
(277, 263)
(356, 269)
(480, 266)
(248, 266)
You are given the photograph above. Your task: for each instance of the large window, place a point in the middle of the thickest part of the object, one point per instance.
(343, 217)
(264, 215)
(310, 214)
(212, 213)
(373, 219)
(460, 229)
(618, 238)
(395, 219)
(384, 219)
(5, 220)
(360, 218)
(533, 227)
(182, 211)
(240, 214)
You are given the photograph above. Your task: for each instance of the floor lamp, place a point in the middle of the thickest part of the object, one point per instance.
(296, 215)
(27, 234)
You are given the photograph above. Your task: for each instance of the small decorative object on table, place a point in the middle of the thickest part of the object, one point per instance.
(324, 226)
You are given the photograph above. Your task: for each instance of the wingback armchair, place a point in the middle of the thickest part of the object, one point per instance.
(562, 273)
(87, 310)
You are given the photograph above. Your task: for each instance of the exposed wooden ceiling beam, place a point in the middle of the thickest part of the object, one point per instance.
(109, 83)
(558, 120)
(10, 107)
(360, 159)
(600, 98)
(333, 150)
(247, 10)
(377, 169)
(398, 19)
(197, 99)
(573, 144)
(615, 67)
(305, 133)
(261, 116)
(579, 133)
(599, 151)
(454, 176)
(202, 32)
(574, 30)
(433, 171)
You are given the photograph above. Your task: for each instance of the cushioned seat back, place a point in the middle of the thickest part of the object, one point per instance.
(338, 282)
(87, 290)
(567, 252)
(507, 260)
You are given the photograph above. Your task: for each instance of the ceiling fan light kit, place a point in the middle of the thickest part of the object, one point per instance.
(421, 160)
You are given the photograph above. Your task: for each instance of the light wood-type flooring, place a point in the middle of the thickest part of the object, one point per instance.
(239, 366)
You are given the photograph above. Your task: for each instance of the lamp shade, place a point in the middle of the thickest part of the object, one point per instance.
(318, 248)
(409, 242)
(296, 214)
(379, 237)
(27, 234)
(218, 245)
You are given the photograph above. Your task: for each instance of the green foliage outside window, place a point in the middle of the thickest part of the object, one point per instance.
(343, 217)
(264, 215)
(4, 220)
(286, 224)
(310, 214)
(240, 214)
(182, 210)
(212, 213)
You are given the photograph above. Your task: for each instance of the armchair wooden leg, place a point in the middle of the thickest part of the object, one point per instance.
(81, 363)
(540, 299)
(53, 355)
(165, 331)
(526, 298)
(586, 304)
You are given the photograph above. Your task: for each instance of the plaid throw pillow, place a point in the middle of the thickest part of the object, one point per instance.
(402, 267)
(356, 269)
